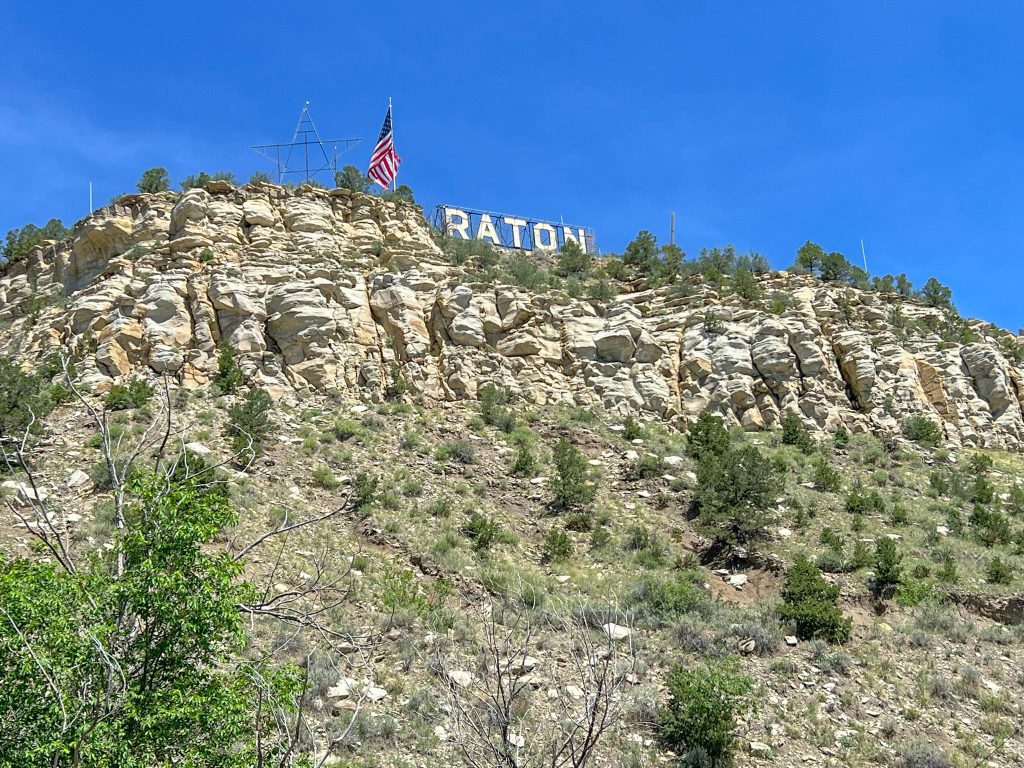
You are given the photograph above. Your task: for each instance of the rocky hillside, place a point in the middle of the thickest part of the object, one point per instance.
(331, 291)
(575, 549)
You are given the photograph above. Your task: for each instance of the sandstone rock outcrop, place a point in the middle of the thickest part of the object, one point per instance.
(330, 290)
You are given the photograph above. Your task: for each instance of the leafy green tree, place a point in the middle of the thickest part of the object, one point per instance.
(795, 433)
(642, 253)
(571, 485)
(25, 398)
(674, 258)
(707, 437)
(20, 242)
(402, 193)
(903, 286)
(922, 430)
(809, 257)
(745, 286)
(735, 495)
(352, 179)
(883, 284)
(260, 177)
(154, 180)
(203, 178)
(195, 181)
(133, 395)
(834, 268)
(135, 658)
(935, 294)
(699, 721)
(573, 261)
(812, 604)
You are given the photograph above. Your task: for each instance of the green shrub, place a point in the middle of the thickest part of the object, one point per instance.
(841, 438)
(364, 490)
(229, 373)
(922, 430)
(249, 424)
(660, 599)
(492, 410)
(631, 429)
(917, 591)
(699, 721)
(859, 503)
(899, 515)
(323, 477)
(998, 572)
(646, 466)
(826, 477)
(480, 530)
(19, 243)
(154, 180)
(26, 398)
(600, 538)
(397, 385)
(571, 486)
(812, 604)
(135, 395)
(1015, 500)
(344, 429)
(832, 539)
(990, 526)
(981, 491)
(525, 462)
(459, 450)
(736, 494)
(706, 436)
(795, 433)
(888, 570)
(938, 483)
(557, 546)
(648, 546)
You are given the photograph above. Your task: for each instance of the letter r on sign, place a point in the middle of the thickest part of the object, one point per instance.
(456, 221)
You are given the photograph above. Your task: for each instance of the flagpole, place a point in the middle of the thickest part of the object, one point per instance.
(394, 181)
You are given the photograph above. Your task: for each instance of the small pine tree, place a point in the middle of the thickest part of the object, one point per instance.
(812, 604)
(352, 179)
(557, 546)
(571, 486)
(154, 180)
(229, 373)
(249, 424)
(745, 285)
(888, 568)
(795, 433)
(998, 572)
(707, 436)
(525, 463)
(736, 495)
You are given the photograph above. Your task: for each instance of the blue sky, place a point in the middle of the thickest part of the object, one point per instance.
(760, 124)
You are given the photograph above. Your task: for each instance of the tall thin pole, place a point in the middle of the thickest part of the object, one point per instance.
(90, 197)
(864, 255)
(394, 181)
(672, 229)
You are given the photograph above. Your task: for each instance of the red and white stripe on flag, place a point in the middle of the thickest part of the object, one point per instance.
(384, 161)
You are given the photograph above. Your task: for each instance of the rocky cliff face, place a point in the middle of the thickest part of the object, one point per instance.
(324, 290)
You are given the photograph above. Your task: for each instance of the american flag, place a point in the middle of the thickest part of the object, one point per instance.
(384, 161)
